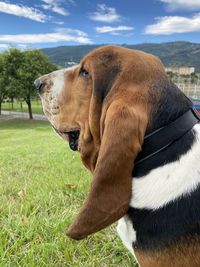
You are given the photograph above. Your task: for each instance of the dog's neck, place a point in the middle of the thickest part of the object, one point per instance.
(160, 140)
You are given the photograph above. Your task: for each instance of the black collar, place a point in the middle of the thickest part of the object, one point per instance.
(162, 138)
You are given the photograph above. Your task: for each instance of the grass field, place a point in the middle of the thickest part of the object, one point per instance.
(36, 106)
(43, 184)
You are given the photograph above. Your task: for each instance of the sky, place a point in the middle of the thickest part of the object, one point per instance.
(51, 23)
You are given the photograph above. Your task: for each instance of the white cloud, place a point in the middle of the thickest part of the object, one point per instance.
(23, 11)
(105, 14)
(54, 5)
(18, 46)
(174, 24)
(22, 46)
(4, 46)
(59, 22)
(60, 35)
(113, 30)
(173, 5)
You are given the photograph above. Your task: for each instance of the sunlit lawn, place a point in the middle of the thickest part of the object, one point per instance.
(36, 106)
(43, 185)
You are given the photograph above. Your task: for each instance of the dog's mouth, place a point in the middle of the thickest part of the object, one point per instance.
(71, 136)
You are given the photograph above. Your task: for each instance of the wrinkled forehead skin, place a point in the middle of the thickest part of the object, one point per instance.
(105, 98)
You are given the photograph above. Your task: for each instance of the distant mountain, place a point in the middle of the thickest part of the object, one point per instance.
(174, 54)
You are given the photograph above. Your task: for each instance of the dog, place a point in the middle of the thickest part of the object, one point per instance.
(139, 135)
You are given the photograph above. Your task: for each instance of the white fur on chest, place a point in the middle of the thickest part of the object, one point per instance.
(162, 186)
(165, 184)
(126, 232)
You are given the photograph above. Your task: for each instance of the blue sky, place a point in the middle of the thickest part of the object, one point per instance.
(50, 23)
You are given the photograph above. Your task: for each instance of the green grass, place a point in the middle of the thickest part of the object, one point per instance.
(36, 106)
(43, 185)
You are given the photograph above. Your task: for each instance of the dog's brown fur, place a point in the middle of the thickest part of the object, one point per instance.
(184, 253)
(112, 110)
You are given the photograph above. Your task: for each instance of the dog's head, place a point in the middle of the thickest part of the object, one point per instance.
(102, 108)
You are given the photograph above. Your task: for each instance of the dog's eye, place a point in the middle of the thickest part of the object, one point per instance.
(84, 73)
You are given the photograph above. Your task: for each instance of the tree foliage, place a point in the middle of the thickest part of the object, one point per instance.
(2, 81)
(18, 71)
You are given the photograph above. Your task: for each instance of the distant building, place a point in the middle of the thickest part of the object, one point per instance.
(181, 70)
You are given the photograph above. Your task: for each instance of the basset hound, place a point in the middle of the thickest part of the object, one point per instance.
(139, 136)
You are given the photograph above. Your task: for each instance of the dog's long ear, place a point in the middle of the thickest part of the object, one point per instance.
(104, 70)
(108, 199)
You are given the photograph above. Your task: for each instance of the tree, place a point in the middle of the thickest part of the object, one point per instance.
(20, 69)
(35, 64)
(194, 78)
(3, 91)
(13, 59)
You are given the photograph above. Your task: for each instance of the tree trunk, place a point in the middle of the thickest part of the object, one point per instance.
(0, 107)
(29, 108)
(12, 101)
(21, 106)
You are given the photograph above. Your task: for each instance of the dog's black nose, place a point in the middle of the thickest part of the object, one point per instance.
(38, 84)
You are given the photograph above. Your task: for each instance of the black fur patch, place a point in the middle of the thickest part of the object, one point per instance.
(168, 104)
(161, 228)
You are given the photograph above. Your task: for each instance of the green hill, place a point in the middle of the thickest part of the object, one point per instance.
(174, 54)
